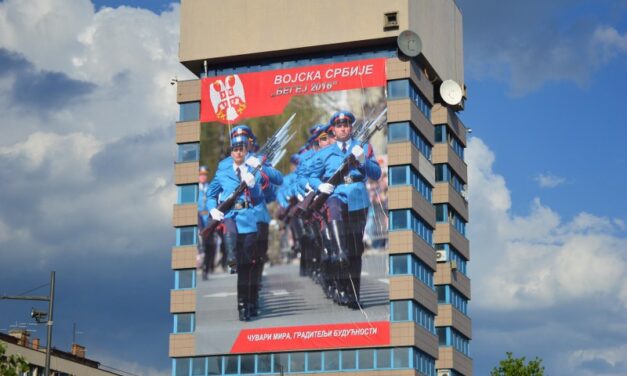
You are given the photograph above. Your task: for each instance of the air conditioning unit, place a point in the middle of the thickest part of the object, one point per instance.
(464, 194)
(444, 372)
(441, 255)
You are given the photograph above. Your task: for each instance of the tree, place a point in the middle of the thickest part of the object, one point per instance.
(12, 365)
(517, 367)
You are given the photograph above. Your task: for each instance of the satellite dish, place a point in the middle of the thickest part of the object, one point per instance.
(409, 43)
(451, 92)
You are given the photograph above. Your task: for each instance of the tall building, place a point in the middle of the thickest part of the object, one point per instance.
(428, 252)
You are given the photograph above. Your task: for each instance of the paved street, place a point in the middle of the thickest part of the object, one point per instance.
(286, 300)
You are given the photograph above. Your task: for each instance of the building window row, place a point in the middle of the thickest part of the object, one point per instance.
(189, 111)
(447, 336)
(410, 264)
(407, 219)
(184, 279)
(448, 294)
(445, 213)
(302, 362)
(443, 135)
(407, 175)
(317, 59)
(405, 131)
(444, 173)
(398, 89)
(184, 323)
(187, 194)
(410, 310)
(188, 152)
(453, 254)
(186, 235)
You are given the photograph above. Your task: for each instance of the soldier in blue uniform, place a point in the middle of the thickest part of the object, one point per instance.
(347, 207)
(241, 220)
(206, 245)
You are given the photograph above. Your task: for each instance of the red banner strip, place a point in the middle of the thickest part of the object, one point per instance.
(229, 99)
(311, 337)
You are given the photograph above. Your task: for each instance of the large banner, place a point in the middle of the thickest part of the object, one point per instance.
(274, 279)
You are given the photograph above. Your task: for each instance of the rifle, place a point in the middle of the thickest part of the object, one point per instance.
(269, 152)
(362, 133)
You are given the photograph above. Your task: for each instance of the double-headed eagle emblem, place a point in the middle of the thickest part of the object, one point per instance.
(228, 98)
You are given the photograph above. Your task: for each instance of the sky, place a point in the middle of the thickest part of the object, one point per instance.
(86, 158)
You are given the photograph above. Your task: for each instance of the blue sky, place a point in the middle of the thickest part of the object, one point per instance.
(546, 165)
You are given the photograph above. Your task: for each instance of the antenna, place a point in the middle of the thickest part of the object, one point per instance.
(409, 43)
(204, 63)
(451, 92)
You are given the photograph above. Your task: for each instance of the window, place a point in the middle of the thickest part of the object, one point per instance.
(186, 235)
(185, 279)
(401, 358)
(349, 359)
(454, 255)
(214, 365)
(331, 360)
(444, 173)
(410, 310)
(403, 175)
(384, 359)
(187, 194)
(446, 213)
(314, 361)
(300, 362)
(181, 366)
(247, 364)
(198, 366)
(188, 152)
(410, 264)
(184, 323)
(407, 219)
(447, 294)
(405, 131)
(264, 363)
(447, 336)
(366, 359)
(189, 111)
(398, 89)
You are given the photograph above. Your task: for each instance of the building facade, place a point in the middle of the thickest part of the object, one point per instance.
(62, 363)
(429, 288)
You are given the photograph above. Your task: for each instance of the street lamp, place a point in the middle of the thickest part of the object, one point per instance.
(40, 317)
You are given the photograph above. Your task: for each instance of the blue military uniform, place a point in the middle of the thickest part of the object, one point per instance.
(240, 222)
(346, 210)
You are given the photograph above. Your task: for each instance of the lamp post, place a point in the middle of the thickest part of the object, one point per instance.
(37, 316)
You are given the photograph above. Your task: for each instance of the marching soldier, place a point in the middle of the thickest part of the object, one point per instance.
(240, 222)
(206, 245)
(347, 207)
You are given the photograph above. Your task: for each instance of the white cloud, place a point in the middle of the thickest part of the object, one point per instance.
(549, 180)
(536, 260)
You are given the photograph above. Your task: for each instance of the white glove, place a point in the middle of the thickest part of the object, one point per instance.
(300, 197)
(216, 214)
(326, 188)
(308, 188)
(248, 178)
(253, 162)
(358, 152)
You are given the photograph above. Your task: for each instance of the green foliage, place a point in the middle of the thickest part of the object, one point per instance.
(517, 367)
(12, 365)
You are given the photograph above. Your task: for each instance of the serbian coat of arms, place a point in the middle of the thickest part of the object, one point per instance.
(228, 98)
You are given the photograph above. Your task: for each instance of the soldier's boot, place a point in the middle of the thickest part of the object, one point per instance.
(230, 243)
(338, 230)
(243, 310)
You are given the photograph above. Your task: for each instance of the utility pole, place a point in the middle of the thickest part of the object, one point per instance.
(38, 315)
